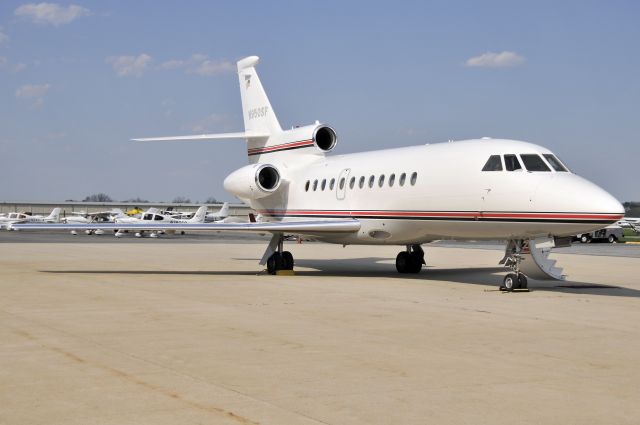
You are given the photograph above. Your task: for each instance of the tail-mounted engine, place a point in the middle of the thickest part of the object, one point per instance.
(253, 181)
(325, 138)
(321, 137)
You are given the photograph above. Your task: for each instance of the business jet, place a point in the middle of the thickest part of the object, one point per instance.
(222, 214)
(11, 219)
(480, 189)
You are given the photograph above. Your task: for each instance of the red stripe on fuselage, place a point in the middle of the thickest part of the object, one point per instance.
(457, 214)
(282, 146)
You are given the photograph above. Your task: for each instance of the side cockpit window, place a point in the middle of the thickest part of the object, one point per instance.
(511, 163)
(533, 162)
(493, 164)
(555, 162)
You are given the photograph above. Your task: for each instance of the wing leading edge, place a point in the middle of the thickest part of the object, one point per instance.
(302, 227)
(205, 137)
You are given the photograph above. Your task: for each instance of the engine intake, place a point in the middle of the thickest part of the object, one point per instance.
(267, 178)
(325, 138)
(253, 181)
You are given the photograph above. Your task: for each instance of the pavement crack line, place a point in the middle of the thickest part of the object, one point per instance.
(135, 380)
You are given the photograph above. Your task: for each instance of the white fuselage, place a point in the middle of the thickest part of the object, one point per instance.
(451, 197)
(14, 218)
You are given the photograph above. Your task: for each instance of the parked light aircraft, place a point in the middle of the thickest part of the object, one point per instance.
(16, 218)
(218, 216)
(95, 217)
(493, 189)
(86, 218)
(152, 215)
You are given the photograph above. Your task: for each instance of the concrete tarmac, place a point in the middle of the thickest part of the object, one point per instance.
(178, 333)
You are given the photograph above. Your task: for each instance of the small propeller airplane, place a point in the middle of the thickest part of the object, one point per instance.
(479, 189)
(222, 214)
(152, 215)
(17, 218)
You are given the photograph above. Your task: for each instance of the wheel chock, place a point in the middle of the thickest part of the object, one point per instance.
(503, 289)
(285, 273)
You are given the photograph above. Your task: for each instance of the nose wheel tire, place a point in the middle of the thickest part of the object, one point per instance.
(514, 281)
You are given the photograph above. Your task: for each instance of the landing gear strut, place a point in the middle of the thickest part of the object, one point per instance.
(411, 260)
(513, 257)
(280, 260)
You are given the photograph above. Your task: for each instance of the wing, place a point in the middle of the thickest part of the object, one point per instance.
(295, 227)
(242, 135)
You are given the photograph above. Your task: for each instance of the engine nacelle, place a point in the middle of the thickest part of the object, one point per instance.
(253, 181)
(325, 138)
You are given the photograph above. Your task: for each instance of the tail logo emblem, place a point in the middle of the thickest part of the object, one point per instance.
(247, 80)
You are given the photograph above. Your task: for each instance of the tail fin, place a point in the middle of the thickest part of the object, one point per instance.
(118, 213)
(54, 216)
(224, 211)
(259, 116)
(199, 215)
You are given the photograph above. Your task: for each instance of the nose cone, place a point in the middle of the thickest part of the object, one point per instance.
(575, 194)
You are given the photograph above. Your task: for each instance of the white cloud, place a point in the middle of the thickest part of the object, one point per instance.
(129, 66)
(32, 90)
(51, 13)
(3, 37)
(172, 64)
(6, 65)
(200, 64)
(35, 92)
(496, 60)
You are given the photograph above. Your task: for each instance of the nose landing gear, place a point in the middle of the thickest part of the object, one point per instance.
(514, 281)
(513, 258)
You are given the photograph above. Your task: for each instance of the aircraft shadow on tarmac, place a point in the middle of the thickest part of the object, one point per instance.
(377, 267)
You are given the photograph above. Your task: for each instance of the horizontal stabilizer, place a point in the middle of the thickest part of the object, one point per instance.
(202, 137)
(295, 227)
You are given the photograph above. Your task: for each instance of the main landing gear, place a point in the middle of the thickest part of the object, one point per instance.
(411, 260)
(280, 259)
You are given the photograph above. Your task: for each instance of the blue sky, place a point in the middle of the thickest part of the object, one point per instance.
(78, 80)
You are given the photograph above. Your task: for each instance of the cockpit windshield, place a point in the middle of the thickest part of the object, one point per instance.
(493, 164)
(533, 162)
(555, 162)
(511, 163)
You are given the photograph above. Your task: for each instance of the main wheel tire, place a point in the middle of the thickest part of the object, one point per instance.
(510, 282)
(585, 239)
(274, 263)
(403, 262)
(612, 239)
(416, 263)
(522, 281)
(287, 261)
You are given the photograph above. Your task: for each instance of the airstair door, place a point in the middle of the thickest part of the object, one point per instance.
(341, 186)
